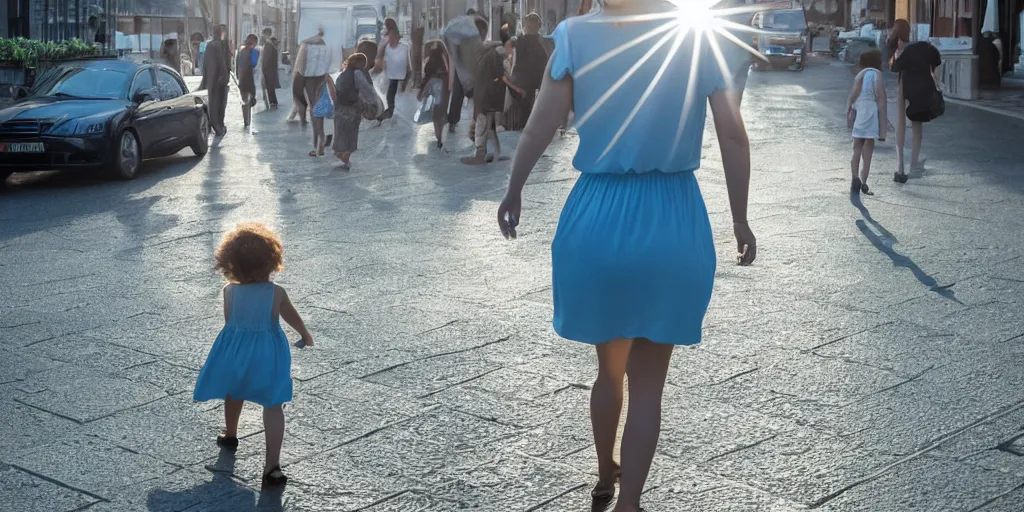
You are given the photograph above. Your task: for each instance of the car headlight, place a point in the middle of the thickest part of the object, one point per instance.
(92, 125)
(92, 128)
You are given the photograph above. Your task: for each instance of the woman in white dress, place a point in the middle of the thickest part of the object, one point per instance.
(866, 116)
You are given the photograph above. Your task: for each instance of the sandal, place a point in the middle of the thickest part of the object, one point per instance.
(312, 153)
(229, 443)
(275, 478)
(865, 190)
(855, 186)
(602, 498)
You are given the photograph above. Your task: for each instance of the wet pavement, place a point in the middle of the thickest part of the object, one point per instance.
(869, 361)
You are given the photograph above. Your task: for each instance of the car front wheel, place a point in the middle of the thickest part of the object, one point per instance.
(127, 156)
(202, 144)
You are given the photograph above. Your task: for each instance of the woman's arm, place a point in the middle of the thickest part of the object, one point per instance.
(514, 87)
(331, 90)
(735, 148)
(550, 111)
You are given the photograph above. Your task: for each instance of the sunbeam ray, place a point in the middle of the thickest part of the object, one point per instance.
(723, 66)
(623, 79)
(619, 49)
(688, 99)
(647, 93)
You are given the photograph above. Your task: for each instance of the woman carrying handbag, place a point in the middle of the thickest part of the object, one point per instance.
(920, 93)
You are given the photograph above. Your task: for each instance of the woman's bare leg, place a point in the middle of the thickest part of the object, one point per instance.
(319, 139)
(232, 412)
(915, 151)
(647, 368)
(273, 425)
(901, 126)
(606, 405)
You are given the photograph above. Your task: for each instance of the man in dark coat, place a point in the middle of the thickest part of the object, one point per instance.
(216, 76)
(268, 68)
(245, 70)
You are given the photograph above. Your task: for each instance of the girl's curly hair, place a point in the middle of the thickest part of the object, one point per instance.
(250, 254)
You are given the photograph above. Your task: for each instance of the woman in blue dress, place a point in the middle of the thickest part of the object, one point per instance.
(633, 257)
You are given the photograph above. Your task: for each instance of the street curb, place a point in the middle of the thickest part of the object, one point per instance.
(972, 104)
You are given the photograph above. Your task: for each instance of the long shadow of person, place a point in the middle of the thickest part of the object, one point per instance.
(883, 240)
(223, 494)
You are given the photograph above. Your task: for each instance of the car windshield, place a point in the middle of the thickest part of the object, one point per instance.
(81, 82)
(789, 20)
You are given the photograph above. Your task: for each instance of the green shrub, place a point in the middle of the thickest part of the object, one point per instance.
(28, 52)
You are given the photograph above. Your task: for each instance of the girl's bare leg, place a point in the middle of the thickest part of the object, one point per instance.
(273, 425)
(232, 412)
(915, 151)
(606, 405)
(867, 153)
(858, 148)
(647, 369)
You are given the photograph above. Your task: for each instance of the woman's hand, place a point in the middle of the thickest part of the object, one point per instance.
(508, 214)
(745, 243)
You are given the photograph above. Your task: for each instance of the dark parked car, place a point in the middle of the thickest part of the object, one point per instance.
(101, 114)
(782, 38)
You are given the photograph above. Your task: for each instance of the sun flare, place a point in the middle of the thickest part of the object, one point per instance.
(700, 19)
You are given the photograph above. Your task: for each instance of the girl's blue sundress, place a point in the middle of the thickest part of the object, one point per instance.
(251, 359)
(633, 255)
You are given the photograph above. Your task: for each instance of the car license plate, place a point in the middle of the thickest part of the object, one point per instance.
(21, 147)
(798, 51)
(776, 50)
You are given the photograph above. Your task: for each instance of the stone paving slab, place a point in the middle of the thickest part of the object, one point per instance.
(868, 361)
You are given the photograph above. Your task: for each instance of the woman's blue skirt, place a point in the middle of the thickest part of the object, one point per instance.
(633, 257)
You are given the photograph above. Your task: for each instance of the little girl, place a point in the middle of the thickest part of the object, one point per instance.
(250, 360)
(866, 117)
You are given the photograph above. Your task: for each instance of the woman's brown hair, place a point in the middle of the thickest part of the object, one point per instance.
(250, 254)
(900, 32)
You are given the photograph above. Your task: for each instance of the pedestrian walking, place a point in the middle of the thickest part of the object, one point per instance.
(269, 59)
(216, 76)
(312, 64)
(250, 361)
(529, 59)
(323, 109)
(459, 93)
(245, 70)
(633, 260)
(396, 67)
(353, 89)
(436, 77)
(488, 102)
(866, 116)
(919, 97)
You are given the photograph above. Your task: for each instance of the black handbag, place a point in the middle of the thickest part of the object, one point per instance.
(938, 106)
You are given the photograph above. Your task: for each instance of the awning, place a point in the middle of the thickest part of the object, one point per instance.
(991, 22)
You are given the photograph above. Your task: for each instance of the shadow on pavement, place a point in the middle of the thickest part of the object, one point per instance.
(883, 240)
(83, 194)
(221, 494)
